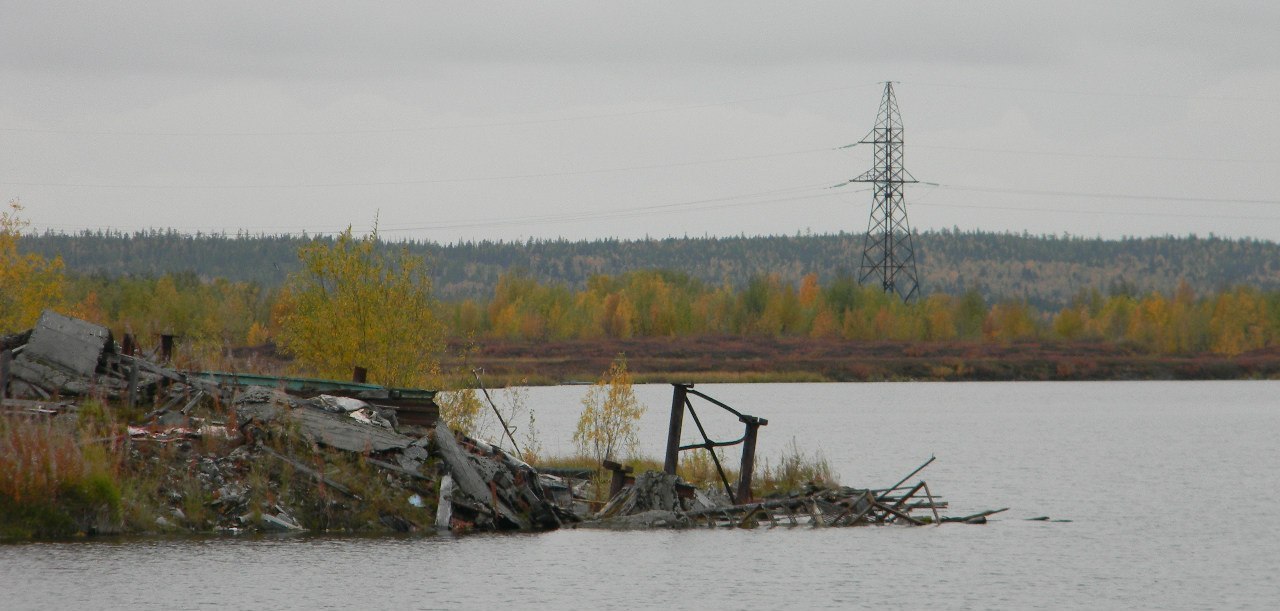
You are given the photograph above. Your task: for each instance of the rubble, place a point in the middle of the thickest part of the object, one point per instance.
(490, 489)
(661, 500)
(236, 452)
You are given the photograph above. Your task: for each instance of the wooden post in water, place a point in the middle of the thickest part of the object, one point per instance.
(619, 479)
(678, 397)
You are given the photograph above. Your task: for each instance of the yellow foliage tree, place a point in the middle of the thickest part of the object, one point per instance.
(353, 305)
(610, 416)
(1238, 323)
(29, 283)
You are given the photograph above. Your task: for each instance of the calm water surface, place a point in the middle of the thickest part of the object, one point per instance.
(1170, 486)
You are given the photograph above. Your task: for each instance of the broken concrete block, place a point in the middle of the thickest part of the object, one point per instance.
(70, 344)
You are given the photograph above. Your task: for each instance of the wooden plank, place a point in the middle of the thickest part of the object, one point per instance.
(937, 520)
(895, 512)
(903, 501)
(468, 478)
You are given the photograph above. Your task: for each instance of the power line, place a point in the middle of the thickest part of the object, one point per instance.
(1093, 155)
(562, 217)
(1166, 198)
(1108, 212)
(428, 128)
(1113, 94)
(423, 181)
(616, 214)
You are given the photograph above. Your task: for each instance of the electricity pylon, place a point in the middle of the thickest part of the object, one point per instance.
(888, 252)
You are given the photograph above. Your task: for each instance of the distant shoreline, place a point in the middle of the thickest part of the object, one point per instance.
(760, 359)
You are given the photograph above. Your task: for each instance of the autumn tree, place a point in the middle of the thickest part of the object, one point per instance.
(610, 416)
(356, 305)
(29, 283)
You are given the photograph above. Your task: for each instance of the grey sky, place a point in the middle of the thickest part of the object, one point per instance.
(585, 119)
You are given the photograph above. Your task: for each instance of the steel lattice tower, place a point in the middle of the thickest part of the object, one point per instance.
(888, 252)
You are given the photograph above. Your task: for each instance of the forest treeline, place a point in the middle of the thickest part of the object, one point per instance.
(359, 301)
(220, 314)
(1047, 272)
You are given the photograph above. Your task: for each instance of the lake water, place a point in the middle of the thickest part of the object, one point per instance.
(1170, 488)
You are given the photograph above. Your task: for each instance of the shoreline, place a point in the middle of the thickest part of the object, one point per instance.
(777, 360)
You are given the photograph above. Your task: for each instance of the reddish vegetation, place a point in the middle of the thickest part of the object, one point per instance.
(839, 360)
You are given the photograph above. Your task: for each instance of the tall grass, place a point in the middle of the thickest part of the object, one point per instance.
(53, 484)
(791, 471)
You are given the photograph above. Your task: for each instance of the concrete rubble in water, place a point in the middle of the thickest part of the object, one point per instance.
(263, 459)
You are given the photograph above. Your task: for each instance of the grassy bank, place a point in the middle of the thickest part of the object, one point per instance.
(790, 471)
(83, 473)
(763, 359)
(59, 479)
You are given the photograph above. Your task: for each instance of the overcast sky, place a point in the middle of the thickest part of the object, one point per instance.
(468, 120)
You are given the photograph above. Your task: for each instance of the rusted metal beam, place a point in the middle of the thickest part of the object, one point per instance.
(678, 399)
(5, 357)
(748, 457)
(166, 347)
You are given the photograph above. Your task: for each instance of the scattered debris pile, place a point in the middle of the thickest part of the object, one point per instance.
(661, 500)
(64, 357)
(656, 500)
(233, 452)
(487, 488)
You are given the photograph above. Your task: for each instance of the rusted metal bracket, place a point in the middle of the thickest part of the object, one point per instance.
(679, 405)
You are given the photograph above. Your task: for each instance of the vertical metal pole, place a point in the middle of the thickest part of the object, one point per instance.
(166, 347)
(359, 375)
(5, 357)
(748, 461)
(678, 397)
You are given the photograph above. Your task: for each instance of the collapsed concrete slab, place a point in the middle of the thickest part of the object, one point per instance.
(334, 429)
(490, 489)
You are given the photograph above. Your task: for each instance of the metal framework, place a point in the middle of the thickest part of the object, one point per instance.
(888, 252)
(679, 405)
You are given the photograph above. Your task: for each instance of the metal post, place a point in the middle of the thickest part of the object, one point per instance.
(359, 375)
(5, 357)
(748, 458)
(166, 347)
(678, 398)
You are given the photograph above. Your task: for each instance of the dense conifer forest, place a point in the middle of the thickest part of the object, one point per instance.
(1048, 272)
